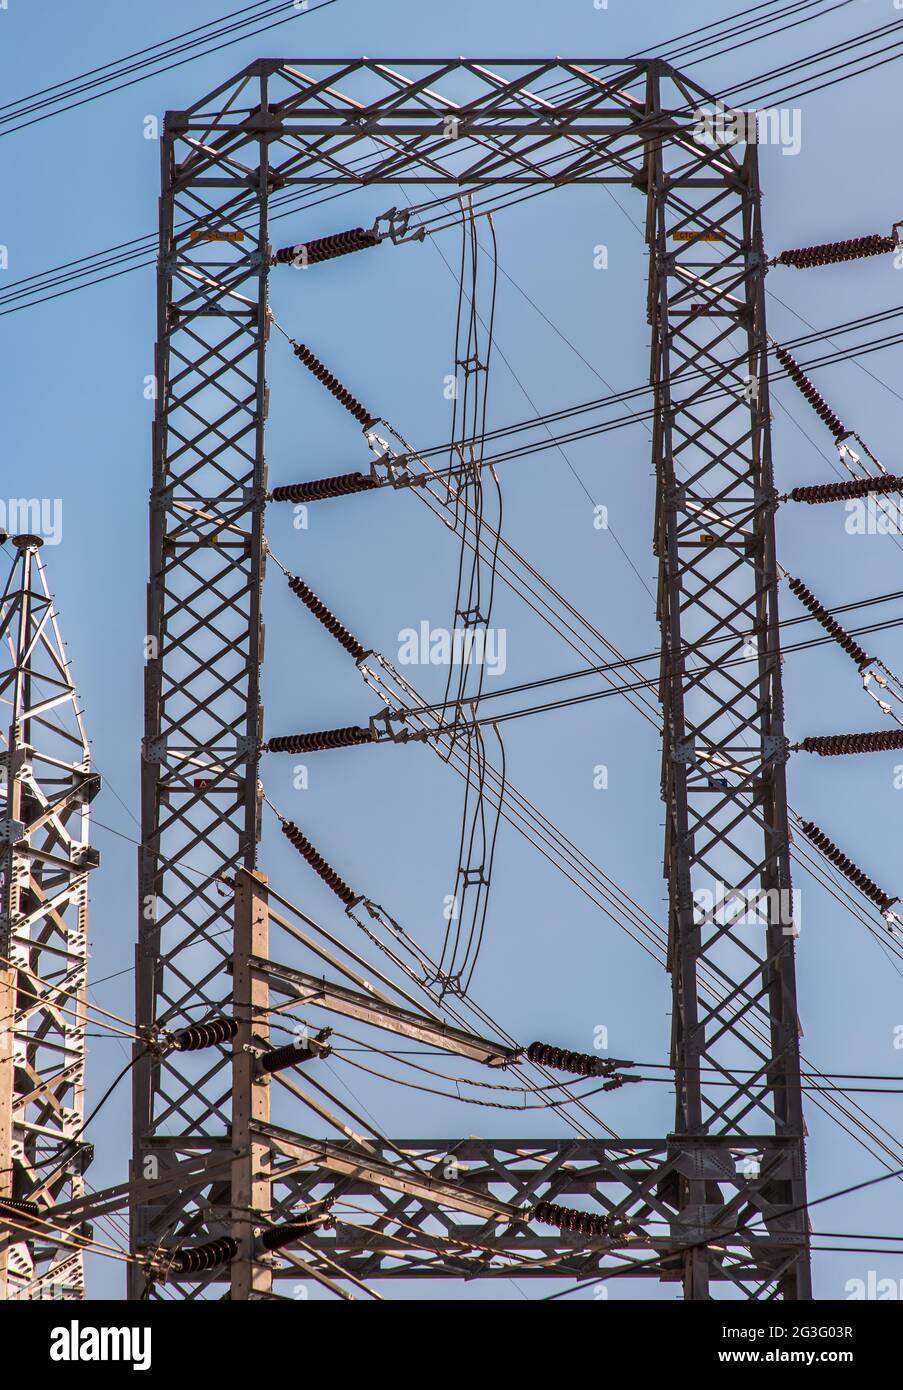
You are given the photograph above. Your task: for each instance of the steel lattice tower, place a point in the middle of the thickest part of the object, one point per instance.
(47, 787)
(732, 1173)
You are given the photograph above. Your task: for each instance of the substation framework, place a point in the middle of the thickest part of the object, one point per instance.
(46, 787)
(720, 1200)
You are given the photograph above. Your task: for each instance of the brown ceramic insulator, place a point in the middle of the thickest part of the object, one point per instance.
(198, 1035)
(830, 624)
(334, 386)
(326, 248)
(319, 864)
(584, 1223)
(326, 617)
(811, 393)
(853, 487)
(319, 489)
(846, 866)
(320, 741)
(829, 253)
(207, 1256)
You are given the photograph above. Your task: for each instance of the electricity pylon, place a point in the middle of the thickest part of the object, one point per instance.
(721, 1199)
(45, 857)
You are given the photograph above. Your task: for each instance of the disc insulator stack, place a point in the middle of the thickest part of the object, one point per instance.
(324, 615)
(319, 864)
(840, 492)
(201, 1257)
(846, 866)
(318, 742)
(811, 393)
(334, 386)
(277, 1237)
(199, 1035)
(831, 252)
(582, 1223)
(838, 745)
(319, 489)
(830, 625)
(561, 1059)
(326, 248)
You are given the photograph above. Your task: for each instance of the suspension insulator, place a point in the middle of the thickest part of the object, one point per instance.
(200, 1257)
(20, 1205)
(326, 248)
(837, 745)
(846, 866)
(198, 1035)
(802, 258)
(327, 618)
(854, 487)
(561, 1059)
(334, 386)
(319, 489)
(582, 1223)
(277, 1237)
(317, 743)
(319, 865)
(292, 1055)
(831, 625)
(809, 390)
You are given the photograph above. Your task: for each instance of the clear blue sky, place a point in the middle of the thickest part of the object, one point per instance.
(77, 426)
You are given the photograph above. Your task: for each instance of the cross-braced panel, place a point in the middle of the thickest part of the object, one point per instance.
(732, 913)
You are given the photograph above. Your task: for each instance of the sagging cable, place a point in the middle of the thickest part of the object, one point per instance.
(836, 856)
(832, 252)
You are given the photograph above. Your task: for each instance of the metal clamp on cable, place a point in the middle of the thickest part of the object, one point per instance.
(388, 466)
(397, 227)
(381, 728)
